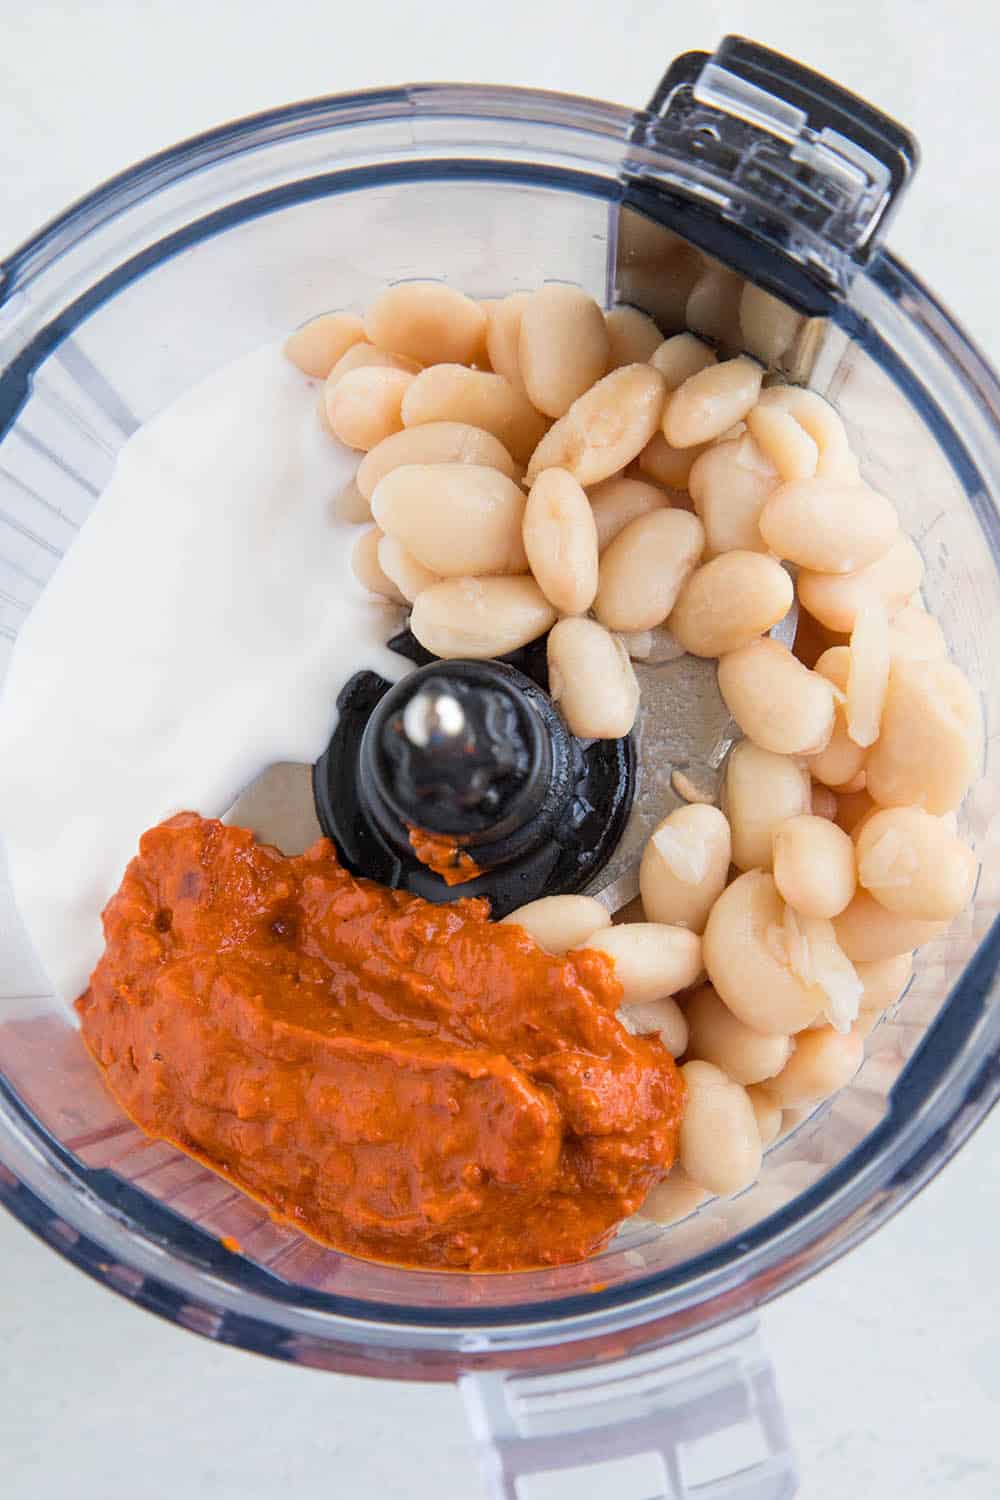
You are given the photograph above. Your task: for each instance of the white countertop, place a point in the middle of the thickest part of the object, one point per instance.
(890, 1360)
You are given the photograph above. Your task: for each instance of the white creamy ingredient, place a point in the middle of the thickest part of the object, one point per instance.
(198, 631)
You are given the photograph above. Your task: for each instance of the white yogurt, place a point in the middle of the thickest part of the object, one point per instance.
(198, 631)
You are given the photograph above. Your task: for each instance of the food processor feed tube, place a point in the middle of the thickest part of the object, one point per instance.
(639, 1367)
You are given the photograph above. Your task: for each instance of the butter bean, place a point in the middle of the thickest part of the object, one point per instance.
(503, 335)
(560, 539)
(650, 959)
(558, 923)
(769, 326)
(776, 701)
(842, 758)
(668, 466)
(680, 357)
(457, 519)
(834, 599)
(781, 439)
(823, 1062)
(716, 1036)
(867, 932)
(915, 634)
(719, 1145)
(868, 677)
(767, 1114)
(403, 569)
(592, 680)
(643, 570)
(663, 1018)
(426, 321)
(713, 305)
(814, 865)
(674, 1198)
(633, 337)
(451, 393)
(480, 617)
(433, 443)
(729, 484)
(616, 502)
(930, 739)
(763, 790)
(364, 356)
(364, 407)
(728, 602)
(684, 866)
(563, 346)
(914, 865)
(747, 967)
(368, 570)
(818, 418)
(710, 402)
(318, 344)
(827, 526)
(605, 428)
(884, 981)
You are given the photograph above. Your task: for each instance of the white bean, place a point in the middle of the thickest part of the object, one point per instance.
(834, 599)
(643, 570)
(632, 335)
(914, 865)
(713, 305)
(762, 791)
(480, 617)
(457, 519)
(368, 570)
(318, 344)
(767, 1113)
(663, 1018)
(616, 502)
(668, 466)
(814, 865)
(867, 932)
(680, 357)
(503, 335)
(868, 677)
(823, 1061)
(769, 326)
(605, 428)
(451, 393)
(403, 569)
(729, 484)
(884, 981)
(748, 967)
(433, 443)
(674, 1198)
(728, 602)
(716, 1036)
(364, 356)
(558, 923)
(823, 425)
(916, 634)
(930, 738)
(365, 406)
(592, 680)
(776, 701)
(719, 1144)
(841, 759)
(711, 401)
(783, 442)
(563, 346)
(650, 959)
(828, 526)
(426, 321)
(560, 539)
(351, 506)
(684, 866)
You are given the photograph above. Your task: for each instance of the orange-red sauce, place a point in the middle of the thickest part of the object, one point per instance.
(400, 1080)
(444, 857)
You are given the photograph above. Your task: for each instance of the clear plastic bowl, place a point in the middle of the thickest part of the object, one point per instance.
(206, 251)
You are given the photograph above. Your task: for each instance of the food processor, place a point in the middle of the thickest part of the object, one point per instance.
(640, 1371)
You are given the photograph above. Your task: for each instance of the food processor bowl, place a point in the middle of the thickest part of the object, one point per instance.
(644, 1357)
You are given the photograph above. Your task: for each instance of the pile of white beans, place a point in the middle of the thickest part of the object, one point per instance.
(537, 465)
